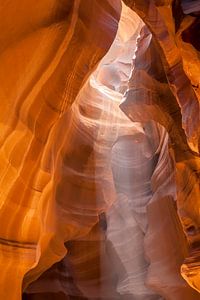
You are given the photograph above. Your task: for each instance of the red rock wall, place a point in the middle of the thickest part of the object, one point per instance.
(99, 150)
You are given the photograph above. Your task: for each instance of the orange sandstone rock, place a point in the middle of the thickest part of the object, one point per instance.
(99, 150)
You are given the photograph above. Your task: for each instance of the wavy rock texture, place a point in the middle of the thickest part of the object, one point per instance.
(173, 37)
(99, 163)
(47, 51)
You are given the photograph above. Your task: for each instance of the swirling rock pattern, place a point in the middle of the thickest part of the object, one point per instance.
(47, 51)
(99, 176)
(171, 46)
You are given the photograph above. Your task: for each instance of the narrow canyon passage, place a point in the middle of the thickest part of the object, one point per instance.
(107, 176)
(99, 150)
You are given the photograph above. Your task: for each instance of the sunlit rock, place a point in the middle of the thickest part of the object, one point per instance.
(99, 157)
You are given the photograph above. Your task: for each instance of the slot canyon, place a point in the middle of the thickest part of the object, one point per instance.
(99, 150)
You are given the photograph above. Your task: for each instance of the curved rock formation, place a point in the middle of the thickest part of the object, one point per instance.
(46, 54)
(99, 150)
(180, 74)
